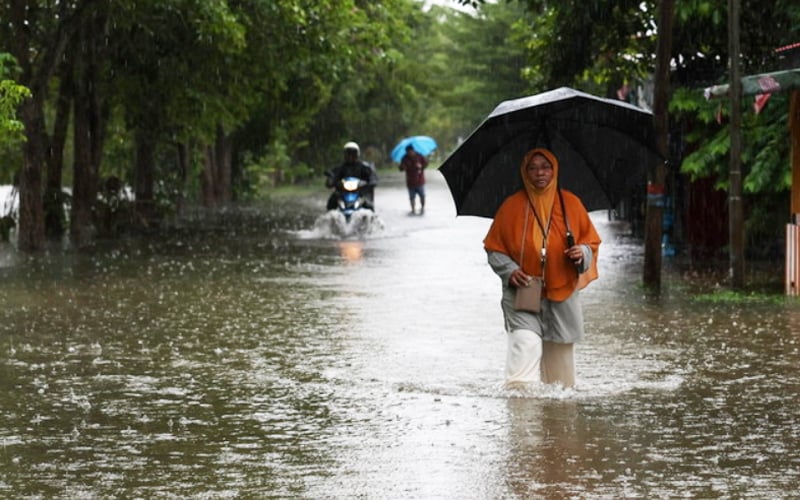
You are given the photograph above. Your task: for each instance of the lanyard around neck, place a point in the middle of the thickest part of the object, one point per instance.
(545, 232)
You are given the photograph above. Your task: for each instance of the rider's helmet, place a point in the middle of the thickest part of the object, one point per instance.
(352, 146)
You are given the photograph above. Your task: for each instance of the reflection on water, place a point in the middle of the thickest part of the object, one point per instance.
(546, 447)
(256, 358)
(351, 250)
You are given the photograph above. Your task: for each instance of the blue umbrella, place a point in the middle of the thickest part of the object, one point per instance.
(423, 145)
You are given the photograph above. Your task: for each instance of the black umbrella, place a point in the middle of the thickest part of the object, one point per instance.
(604, 149)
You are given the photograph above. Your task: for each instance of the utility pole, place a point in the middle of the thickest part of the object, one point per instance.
(656, 188)
(735, 210)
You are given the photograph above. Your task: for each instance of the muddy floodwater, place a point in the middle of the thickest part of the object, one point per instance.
(266, 357)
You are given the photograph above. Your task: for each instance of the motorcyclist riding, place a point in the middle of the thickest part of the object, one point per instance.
(352, 167)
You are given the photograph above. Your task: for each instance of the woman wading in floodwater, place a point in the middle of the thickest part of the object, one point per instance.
(542, 234)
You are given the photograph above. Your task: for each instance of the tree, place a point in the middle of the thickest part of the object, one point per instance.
(482, 63)
(596, 46)
(38, 34)
(170, 72)
(82, 80)
(369, 92)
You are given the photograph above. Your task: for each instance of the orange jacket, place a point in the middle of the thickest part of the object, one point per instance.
(505, 236)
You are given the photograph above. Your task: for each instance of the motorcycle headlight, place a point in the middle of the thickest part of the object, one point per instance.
(350, 185)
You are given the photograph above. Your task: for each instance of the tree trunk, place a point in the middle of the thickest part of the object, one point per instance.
(184, 165)
(223, 161)
(656, 189)
(208, 178)
(84, 187)
(89, 131)
(38, 60)
(216, 177)
(31, 236)
(143, 179)
(54, 216)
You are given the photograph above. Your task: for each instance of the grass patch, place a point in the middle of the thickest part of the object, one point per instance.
(739, 297)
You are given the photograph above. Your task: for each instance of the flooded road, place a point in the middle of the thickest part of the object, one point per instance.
(265, 358)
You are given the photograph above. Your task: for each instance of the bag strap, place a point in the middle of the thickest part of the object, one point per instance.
(524, 233)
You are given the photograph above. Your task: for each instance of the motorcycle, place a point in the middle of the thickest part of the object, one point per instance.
(352, 198)
(350, 211)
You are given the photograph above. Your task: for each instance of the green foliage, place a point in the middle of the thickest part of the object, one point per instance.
(765, 149)
(11, 95)
(747, 297)
(595, 46)
(273, 168)
(118, 156)
(700, 42)
(172, 66)
(439, 74)
(320, 67)
(374, 91)
(484, 63)
(11, 129)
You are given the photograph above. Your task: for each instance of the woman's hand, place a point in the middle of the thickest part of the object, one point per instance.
(575, 254)
(519, 279)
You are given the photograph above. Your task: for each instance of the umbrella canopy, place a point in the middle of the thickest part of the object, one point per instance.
(423, 145)
(604, 149)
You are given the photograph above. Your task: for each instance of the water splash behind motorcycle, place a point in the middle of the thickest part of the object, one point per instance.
(334, 224)
(354, 215)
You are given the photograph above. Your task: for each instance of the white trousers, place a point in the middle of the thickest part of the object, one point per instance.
(529, 360)
(558, 364)
(523, 358)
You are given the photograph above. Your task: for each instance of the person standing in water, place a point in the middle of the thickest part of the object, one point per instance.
(414, 165)
(542, 232)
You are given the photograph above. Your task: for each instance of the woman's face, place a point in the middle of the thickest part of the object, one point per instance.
(540, 171)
